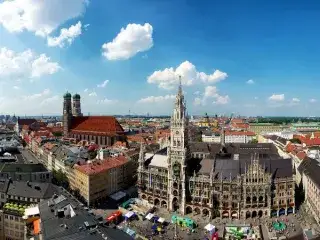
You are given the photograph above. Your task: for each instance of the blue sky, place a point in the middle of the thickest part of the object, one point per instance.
(247, 57)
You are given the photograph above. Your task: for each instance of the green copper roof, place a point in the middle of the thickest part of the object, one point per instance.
(76, 96)
(67, 95)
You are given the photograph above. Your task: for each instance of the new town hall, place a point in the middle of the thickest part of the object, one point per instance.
(215, 180)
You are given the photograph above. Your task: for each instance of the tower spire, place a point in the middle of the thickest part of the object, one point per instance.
(180, 84)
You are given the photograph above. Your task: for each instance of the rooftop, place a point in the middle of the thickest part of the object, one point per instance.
(64, 218)
(22, 167)
(96, 124)
(101, 166)
(32, 190)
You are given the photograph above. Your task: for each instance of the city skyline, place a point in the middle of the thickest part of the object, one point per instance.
(249, 58)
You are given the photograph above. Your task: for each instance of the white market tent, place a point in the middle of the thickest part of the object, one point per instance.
(129, 214)
(149, 216)
(161, 220)
(209, 227)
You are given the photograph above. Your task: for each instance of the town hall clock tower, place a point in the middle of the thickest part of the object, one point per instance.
(178, 154)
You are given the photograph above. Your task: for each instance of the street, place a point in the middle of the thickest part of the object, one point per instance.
(27, 156)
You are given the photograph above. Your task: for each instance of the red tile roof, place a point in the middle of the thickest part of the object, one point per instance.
(101, 166)
(301, 155)
(100, 125)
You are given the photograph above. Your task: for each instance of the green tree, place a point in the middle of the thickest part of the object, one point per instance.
(253, 141)
(60, 178)
(92, 154)
(57, 134)
(295, 140)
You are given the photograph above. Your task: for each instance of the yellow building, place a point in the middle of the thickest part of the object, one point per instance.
(258, 128)
(97, 180)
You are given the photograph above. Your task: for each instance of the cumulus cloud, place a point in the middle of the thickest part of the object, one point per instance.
(50, 100)
(156, 99)
(169, 77)
(277, 97)
(296, 100)
(45, 92)
(312, 100)
(16, 87)
(40, 17)
(211, 92)
(131, 40)
(25, 64)
(92, 94)
(67, 35)
(221, 100)
(250, 81)
(106, 101)
(103, 84)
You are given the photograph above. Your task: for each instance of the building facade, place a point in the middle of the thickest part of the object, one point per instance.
(235, 181)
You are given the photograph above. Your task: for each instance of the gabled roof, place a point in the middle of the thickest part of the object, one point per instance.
(107, 125)
(26, 121)
(32, 190)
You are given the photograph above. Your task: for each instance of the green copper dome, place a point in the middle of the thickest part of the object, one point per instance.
(67, 95)
(76, 96)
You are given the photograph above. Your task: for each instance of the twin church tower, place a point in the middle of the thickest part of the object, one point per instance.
(71, 108)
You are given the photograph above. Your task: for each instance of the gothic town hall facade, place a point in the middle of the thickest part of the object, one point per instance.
(228, 180)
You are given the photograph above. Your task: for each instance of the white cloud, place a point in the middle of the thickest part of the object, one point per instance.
(169, 77)
(198, 101)
(67, 35)
(277, 97)
(106, 101)
(295, 100)
(42, 66)
(16, 87)
(25, 64)
(45, 92)
(312, 100)
(92, 94)
(39, 16)
(250, 81)
(86, 90)
(103, 84)
(196, 93)
(256, 98)
(50, 100)
(156, 99)
(131, 40)
(221, 100)
(211, 92)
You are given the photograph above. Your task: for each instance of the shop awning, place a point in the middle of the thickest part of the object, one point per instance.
(36, 227)
(149, 216)
(209, 227)
(129, 214)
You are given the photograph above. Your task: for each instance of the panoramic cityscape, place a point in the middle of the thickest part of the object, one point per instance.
(159, 120)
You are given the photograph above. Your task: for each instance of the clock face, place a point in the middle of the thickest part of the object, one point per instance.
(177, 132)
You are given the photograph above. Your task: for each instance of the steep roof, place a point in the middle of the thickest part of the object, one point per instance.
(105, 125)
(32, 190)
(311, 168)
(26, 121)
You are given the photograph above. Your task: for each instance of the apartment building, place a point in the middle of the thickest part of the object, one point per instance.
(229, 137)
(98, 179)
(259, 128)
(16, 196)
(309, 169)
